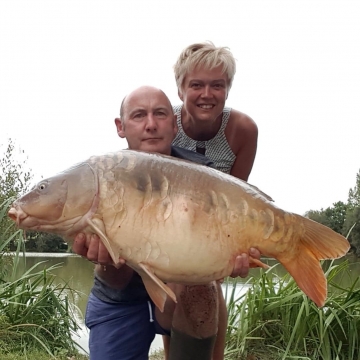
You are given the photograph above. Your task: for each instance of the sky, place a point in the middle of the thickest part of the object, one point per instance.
(65, 66)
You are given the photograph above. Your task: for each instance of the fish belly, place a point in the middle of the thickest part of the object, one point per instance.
(187, 229)
(186, 223)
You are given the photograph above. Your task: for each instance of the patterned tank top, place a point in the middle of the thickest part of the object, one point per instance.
(216, 149)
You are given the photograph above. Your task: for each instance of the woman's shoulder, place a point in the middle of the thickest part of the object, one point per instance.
(239, 122)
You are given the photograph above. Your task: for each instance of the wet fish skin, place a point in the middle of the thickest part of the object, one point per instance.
(177, 221)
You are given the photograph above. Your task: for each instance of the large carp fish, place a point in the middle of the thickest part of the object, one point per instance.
(176, 221)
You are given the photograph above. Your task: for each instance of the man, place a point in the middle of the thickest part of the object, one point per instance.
(120, 314)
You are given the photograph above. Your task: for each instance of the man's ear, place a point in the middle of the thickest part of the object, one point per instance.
(119, 127)
(176, 128)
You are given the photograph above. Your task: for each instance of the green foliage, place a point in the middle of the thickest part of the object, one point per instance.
(13, 176)
(333, 217)
(343, 218)
(14, 180)
(34, 312)
(353, 223)
(275, 320)
(38, 355)
(44, 242)
(353, 216)
(354, 193)
(6, 262)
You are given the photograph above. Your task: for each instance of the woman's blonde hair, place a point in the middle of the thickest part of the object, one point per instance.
(207, 55)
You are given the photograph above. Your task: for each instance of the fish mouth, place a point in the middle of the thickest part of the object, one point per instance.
(17, 214)
(22, 219)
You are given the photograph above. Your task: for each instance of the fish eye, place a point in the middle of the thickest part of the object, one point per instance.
(42, 186)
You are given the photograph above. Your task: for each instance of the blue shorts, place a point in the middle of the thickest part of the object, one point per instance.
(121, 331)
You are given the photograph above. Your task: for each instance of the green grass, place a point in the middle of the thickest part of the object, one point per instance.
(39, 355)
(35, 314)
(277, 320)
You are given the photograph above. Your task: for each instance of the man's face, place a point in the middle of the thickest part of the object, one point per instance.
(148, 122)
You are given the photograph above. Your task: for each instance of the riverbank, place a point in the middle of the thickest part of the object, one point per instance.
(270, 290)
(38, 355)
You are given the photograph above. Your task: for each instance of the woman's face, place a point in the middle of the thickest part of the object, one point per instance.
(204, 93)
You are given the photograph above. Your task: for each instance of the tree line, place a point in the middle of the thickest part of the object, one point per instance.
(343, 218)
(15, 180)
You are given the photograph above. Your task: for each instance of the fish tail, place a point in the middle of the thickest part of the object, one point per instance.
(323, 242)
(317, 243)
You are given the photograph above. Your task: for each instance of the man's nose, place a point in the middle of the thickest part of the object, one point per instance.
(150, 123)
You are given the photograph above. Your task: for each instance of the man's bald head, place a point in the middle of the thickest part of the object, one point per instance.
(142, 91)
(147, 120)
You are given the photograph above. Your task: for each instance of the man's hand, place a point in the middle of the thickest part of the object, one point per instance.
(241, 266)
(91, 247)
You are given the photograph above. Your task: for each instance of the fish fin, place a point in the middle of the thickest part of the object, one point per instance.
(318, 242)
(99, 229)
(309, 276)
(264, 195)
(323, 242)
(253, 263)
(156, 289)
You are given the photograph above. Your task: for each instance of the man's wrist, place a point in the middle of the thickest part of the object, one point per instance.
(113, 277)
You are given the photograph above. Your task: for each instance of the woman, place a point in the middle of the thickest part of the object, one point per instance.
(204, 75)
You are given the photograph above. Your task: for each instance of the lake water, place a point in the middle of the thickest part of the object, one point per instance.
(78, 273)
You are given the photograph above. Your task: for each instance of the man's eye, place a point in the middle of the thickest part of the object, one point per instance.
(195, 85)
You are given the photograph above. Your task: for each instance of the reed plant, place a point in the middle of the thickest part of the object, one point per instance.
(274, 319)
(35, 313)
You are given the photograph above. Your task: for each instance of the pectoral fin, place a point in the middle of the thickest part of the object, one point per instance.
(99, 230)
(257, 263)
(156, 289)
